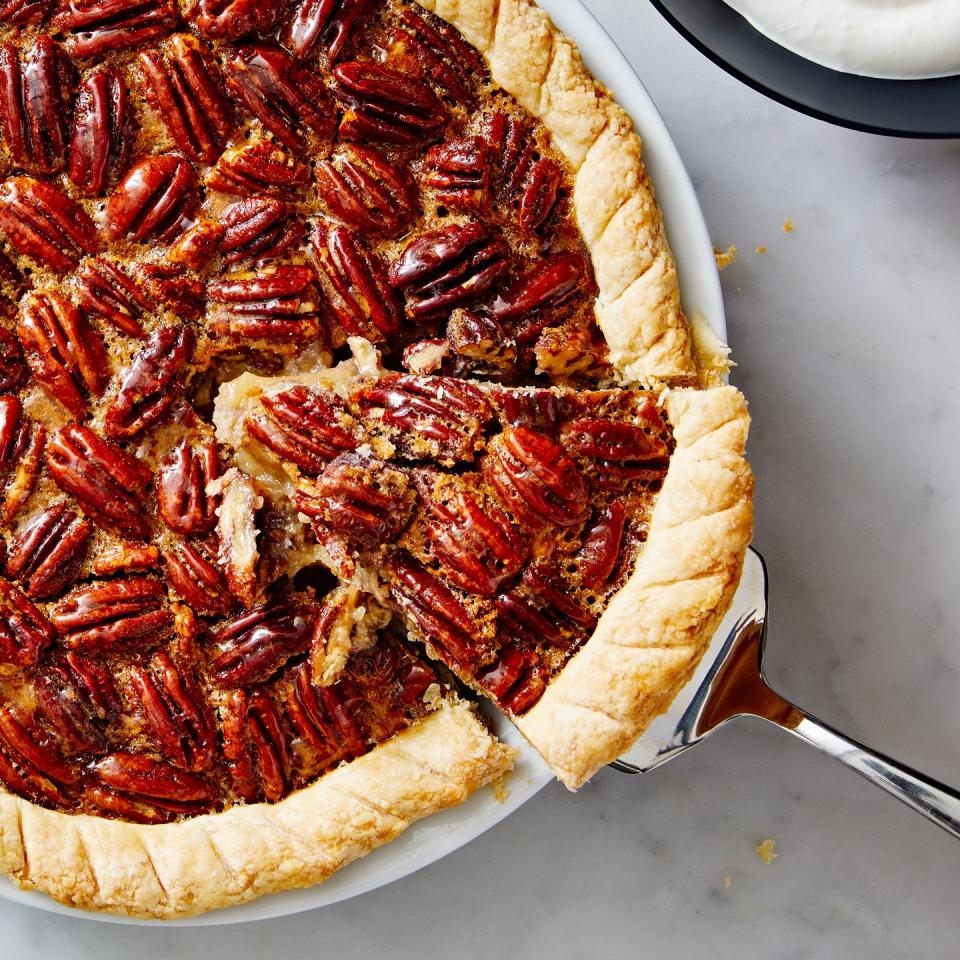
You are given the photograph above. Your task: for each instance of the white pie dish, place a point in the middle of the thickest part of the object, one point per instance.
(431, 839)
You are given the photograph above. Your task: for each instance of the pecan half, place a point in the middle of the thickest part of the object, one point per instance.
(601, 548)
(154, 200)
(182, 499)
(536, 408)
(77, 698)
(231, 19)
(536, 479)
(96, 616)
(434, 612)
(255, 747)
(197, 245)
(66, 354)
(290, 102)
(48, 552)
(13, 368)
(540, 197)
(101, 139)
(554, 600)
(361, 498)
(125, 557)
(22, 12)
(258, 229)
(604, 439)
(107, 483)
(160, 783)
(458, 172)
(553, 282)
(325, 22)
(196, 577)
(476, 542)
(175, 713)
(512, 146)
(151, 384)
(184, 87)
(182, 293)
(480, 344)
(44, 224)
(104, 290)
(366, 191)
(94, 27)
(434, 416)
(274, 303)
(305, 427)
(35, 104)
(516, 681)
(24, 631)
(445, 268)
(258, 643)
(384, 104)
(327, 717)
(354, 285)
(259, 168)
(40, 762)
(21, 454)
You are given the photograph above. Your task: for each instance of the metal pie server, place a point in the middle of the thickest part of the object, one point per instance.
(729, 683)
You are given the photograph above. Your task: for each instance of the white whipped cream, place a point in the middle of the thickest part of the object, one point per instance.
(897, 39)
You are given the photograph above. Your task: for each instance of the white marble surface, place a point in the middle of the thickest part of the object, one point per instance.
(847, 333)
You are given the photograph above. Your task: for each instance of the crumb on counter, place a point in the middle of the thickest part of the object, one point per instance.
(725, 258)
(788, 225)
(727, 881)
(761, 249)
(766, 850)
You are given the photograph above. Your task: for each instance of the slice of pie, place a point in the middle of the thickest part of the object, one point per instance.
(343, 384)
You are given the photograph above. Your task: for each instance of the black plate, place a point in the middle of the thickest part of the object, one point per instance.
(899, 108)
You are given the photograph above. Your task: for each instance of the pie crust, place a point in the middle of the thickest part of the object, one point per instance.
(645, 647)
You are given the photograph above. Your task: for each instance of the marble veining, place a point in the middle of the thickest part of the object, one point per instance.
(848, 338)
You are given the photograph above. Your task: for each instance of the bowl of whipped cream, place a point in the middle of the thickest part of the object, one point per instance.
(885, 66)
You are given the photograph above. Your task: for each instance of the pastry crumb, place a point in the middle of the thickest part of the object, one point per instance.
(500, 789)
(788, 225)
(727, 881)
(766, 850)
(761, 249)
(725, 258)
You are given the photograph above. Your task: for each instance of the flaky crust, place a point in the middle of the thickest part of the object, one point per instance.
(655, 630)
(638, 306)
(224, 859)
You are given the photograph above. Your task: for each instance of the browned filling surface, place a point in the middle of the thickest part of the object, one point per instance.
(190, 193)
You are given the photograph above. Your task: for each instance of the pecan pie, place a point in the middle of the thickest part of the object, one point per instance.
(343, 384)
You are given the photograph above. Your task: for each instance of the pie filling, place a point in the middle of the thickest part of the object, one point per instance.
(238, 551)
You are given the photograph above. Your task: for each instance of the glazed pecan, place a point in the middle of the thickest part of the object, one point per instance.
(255, 747)
(44, 224)
(305, 427)
(516, 681)
(66, 354)
(290, 102)
(178, 719)
(361, 498)
(107, 483)
(511, 148)
(259, 168)
(480, 343)
(13, 368)
(125, 557)
(327, 22)
(197, 245)
(385, 104)
(155, 199)
(22, 12)
(35, 104)
(231, 19)
(553, 597)
(366, 191)
(458, 172)
(432, 416)
(553, 282)
(21, 454)
(475, 542)
(98, 616)
(151, 384)
(434, 612)
(24, 631)
(160, 783)
(536, 479)
(273, 303)
(445, 268)
(435, 50)
(106, 291)
(40, 762)
(77, 698)
(102, 137)
(600, 438)
(194, 575)
(94, 27)
(48, 552)
(184, 87)
(255, 645)
(258, 229)
(182, 499)
(354, 285)
(601, 548)
(541, 194)
(176, 289)
(327, 717)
